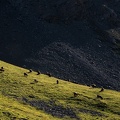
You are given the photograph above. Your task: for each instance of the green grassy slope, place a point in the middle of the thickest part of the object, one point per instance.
(22, 99)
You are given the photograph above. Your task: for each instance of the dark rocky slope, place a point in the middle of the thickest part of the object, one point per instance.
(71, 39)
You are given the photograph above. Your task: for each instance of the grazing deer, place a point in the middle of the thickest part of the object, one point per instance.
(57, 81)
(2, 69)
(35, 81)
(68, 80)
(25, 74)
(98, 96)
(49, 74)
(38, 72)
(102, 89)
(93, 85)
(30, 70)
(75, 94)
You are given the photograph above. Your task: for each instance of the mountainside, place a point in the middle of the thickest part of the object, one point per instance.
(25, 95)
(76, 39)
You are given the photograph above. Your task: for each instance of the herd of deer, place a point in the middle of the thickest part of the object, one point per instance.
(98, 96)
(75, 94)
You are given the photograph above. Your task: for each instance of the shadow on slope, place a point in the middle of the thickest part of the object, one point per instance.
(78, 65)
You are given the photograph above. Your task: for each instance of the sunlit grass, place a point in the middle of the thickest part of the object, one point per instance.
(14, 86)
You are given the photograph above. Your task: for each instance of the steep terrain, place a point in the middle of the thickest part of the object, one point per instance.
(41, 97)
(76, 39)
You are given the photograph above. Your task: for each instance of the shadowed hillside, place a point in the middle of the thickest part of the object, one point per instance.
(76, 39)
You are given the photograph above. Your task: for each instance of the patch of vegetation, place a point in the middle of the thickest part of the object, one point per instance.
(22, 98)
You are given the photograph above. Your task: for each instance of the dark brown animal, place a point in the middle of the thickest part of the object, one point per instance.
(2, 69)
(25, 74)
(93, 85)
(98, 96)
(38, 72)
(49, 74)
(35, 81)
(57, 81)
(30, 70)
(102, 89)
(68, 80)
(75, 94)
